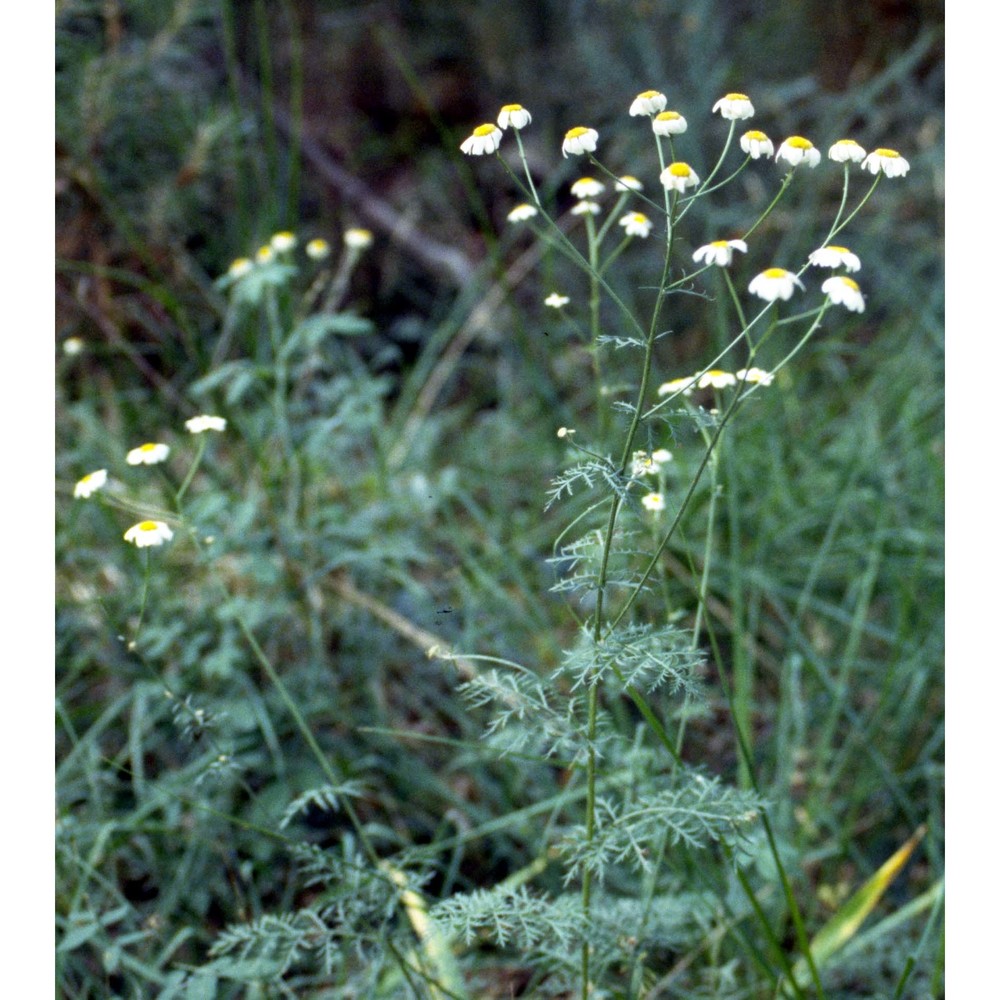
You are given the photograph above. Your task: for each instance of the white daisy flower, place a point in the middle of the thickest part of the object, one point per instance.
(755, 375)
(557, 301)
(669, 123)
(888, 161)
(90, 483)
(734, 107)
(756, 144)
(649, 465)
(587, 187)
(72, 345)
(628, 183)
(717, 379)
(148, 454)
(653, 502)
(636, 224)
(719, 252)
(775, 283)
(835, 257)
(283, 242)
(513, 115)
(239, 267)
(649, 102)
(198, 425)
(358, 239)
(844, 292)
(264, 255)
(579, 140)
(586, 208)
(844, 150)
(484, 139)
(521, 213)
(147, 533)
(683, 385)
(796, 150)
(317, 249)
(678, 177)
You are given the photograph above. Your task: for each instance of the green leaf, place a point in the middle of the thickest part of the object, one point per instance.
(844, 924)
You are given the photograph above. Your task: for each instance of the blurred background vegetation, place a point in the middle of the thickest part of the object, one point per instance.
(189, 131)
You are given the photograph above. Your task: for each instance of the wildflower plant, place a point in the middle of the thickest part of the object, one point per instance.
(609, 556)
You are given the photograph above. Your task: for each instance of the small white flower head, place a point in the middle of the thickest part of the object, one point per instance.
(148, 454)
(683, 385)
(484, 139)
(587, 187)
(755, 376)
(796, 150)
(653, 502)
(628, 183)
(734, 107)
(641, 463)
(264, 255)
(579, 140)
(565, 432)
(283, 242)
(888, 161)
(358, 239)
(678, 177)
(717, 379)
(636, 224)
(649, 102)
(557, 301)
(72, 346)
(649, 465)
(756, 144)
(521, 213)
(669, 123)
(844, 292)
(775, 283)
(586, 208)
(90, 483)
(719, 252)
(513, 115)
(239, 267)
(198, 425)
(317, 249)
(835, 257)
(147, 533)
(846, 150)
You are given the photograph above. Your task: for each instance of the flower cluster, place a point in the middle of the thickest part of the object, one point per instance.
(282, 244)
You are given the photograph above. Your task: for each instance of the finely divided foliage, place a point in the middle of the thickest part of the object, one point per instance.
(583, 792)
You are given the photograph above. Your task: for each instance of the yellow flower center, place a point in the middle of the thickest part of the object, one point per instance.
(715, 372)
(720, 243)
(147, 526)
(575, 133)
(797, 142)
(680, 169)
(775, 272)
(851, 284)
(667, 116)
(639, 218)
(839, 249)
(647, 94)
(737, 97)
(511, 107)
(845, 142)
(147, 447)
(889, 154)
(755, 136)
(484, 129)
